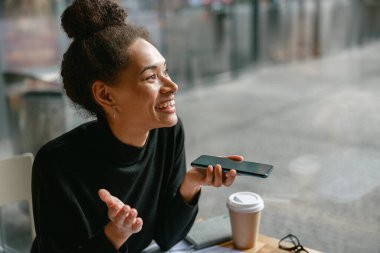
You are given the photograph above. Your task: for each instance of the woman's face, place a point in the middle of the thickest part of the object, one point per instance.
(144, 93)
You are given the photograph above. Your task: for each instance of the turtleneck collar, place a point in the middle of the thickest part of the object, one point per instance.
(116, 151)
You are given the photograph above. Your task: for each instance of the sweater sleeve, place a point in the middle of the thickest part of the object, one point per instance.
(58, 227)
(175, 217)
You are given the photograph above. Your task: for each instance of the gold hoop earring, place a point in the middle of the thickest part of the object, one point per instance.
(113, 112)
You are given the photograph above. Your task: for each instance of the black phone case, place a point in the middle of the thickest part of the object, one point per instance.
(258, 169)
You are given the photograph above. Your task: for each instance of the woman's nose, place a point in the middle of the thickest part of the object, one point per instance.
(168, 85)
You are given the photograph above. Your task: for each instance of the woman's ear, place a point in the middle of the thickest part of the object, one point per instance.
(101, 93)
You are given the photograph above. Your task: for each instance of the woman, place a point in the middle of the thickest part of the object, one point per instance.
(119, 182)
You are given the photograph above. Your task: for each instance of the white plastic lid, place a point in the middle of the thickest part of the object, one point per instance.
(245, 202)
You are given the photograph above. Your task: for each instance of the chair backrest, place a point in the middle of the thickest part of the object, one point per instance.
(15, 182)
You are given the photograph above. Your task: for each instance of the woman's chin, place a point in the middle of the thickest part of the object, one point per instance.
(170, 121)
(173, 120)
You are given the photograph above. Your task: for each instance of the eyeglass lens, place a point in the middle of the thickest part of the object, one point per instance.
(291, 243)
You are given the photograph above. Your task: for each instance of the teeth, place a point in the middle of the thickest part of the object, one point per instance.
(166, 104)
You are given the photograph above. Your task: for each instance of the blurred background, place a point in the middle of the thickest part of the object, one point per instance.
(293, 83)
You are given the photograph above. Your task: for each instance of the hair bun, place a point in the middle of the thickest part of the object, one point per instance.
(85, 17)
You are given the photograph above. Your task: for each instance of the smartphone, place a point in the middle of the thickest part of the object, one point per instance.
(242, 167)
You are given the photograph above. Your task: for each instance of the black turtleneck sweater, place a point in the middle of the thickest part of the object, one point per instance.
(69, 170)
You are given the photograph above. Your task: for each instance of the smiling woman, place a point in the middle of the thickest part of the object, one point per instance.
(142, 97)
(116, 183)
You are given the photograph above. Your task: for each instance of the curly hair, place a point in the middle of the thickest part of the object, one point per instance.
(99, 50)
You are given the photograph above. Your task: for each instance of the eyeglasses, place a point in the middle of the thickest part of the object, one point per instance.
(292, 244)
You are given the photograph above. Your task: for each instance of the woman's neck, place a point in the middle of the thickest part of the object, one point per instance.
(134, 136)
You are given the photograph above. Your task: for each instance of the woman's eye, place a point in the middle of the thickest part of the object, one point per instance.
(166, 72)
(151, 77)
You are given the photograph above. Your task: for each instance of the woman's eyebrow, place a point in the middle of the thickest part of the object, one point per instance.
(153, 66)
(147, 68)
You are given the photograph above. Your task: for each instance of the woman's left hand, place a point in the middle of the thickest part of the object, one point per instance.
(212, 176)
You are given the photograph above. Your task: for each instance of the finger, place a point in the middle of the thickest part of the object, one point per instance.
(209, 175)
(114, 210)
(105, 196)
(137, 225)
(131, 218)
(235, 157)
(218, 176)
(111, 201)
(119, 217)
(230, 177)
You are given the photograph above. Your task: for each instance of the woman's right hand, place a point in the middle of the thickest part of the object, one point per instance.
(123, 219)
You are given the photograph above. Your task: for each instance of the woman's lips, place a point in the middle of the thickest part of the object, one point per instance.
(167, 106)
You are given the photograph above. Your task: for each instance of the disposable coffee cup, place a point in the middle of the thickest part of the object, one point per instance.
(245, 211)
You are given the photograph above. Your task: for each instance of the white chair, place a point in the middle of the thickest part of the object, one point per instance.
(15, 185)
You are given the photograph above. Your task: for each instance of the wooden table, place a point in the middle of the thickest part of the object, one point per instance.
(266, 244)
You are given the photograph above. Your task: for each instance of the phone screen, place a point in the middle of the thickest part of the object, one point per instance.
(242, 167)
